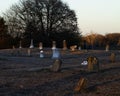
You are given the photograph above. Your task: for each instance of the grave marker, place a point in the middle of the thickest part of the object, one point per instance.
(79, 48)
(53, 45)
(81, 85)
(29, 52)
(41, 54)
(20, 46)
(55, 54)
(64, 45)
(40, 46)
(31, 44)
(56, 65)
(73, 48)
(93, 63)
(107, 48)
(112, 57)
(13, 47)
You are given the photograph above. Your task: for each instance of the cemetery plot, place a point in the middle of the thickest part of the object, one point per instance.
(30, 75)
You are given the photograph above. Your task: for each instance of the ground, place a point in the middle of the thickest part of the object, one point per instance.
(23, 75)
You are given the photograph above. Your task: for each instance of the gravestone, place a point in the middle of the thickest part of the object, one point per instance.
(20, 46)
(73, 48)
(53, 45)
(81, 85)
(112, 57)
(55, 54)
(29, 52)
(93, 63)
(79, 48)
(107, 48)
(31, 44)
(56, 65)
(13, 47)
(64, 45)
(41, 54)
(40, 46)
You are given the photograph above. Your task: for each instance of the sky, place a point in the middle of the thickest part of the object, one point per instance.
(97, 16)
(5, 4)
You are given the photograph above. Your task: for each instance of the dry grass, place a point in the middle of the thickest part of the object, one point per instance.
(26, 76)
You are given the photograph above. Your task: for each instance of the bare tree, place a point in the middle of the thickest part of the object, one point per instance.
(41, 19)
(3, 29)
(113, 38)
(91, 39)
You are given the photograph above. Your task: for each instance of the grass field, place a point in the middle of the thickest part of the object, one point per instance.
(23, 75)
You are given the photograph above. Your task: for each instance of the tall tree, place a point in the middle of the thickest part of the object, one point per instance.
(90, 39)
(3, 29)
(113, 38)
(43, 20)
(5, 38)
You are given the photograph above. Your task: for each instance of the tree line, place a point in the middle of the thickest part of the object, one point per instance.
(98, 41)
(90, 41)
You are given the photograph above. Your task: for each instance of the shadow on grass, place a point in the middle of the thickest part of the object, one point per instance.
(64, 86)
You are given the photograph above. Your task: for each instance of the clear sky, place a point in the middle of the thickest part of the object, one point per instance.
(98, 16)
(5, 4)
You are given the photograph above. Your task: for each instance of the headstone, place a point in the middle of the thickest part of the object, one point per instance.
(13, 47)
(73, 48)
(29, 52)
(107, 48)
(81, 85)
(64, 45)
(56, 65)
(41, 54)
(20, 46)
(79, 48)
(40, 46)
(31, 44)
(112, 57)
(93, 64)
(53, 45)
(55, 54)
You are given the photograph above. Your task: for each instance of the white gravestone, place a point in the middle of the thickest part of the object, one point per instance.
(53, 45)
(40, 46)
(79, 48)
(55, 54)
(31, 44)
(20, 46)
(107, 48)
(41, 54)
